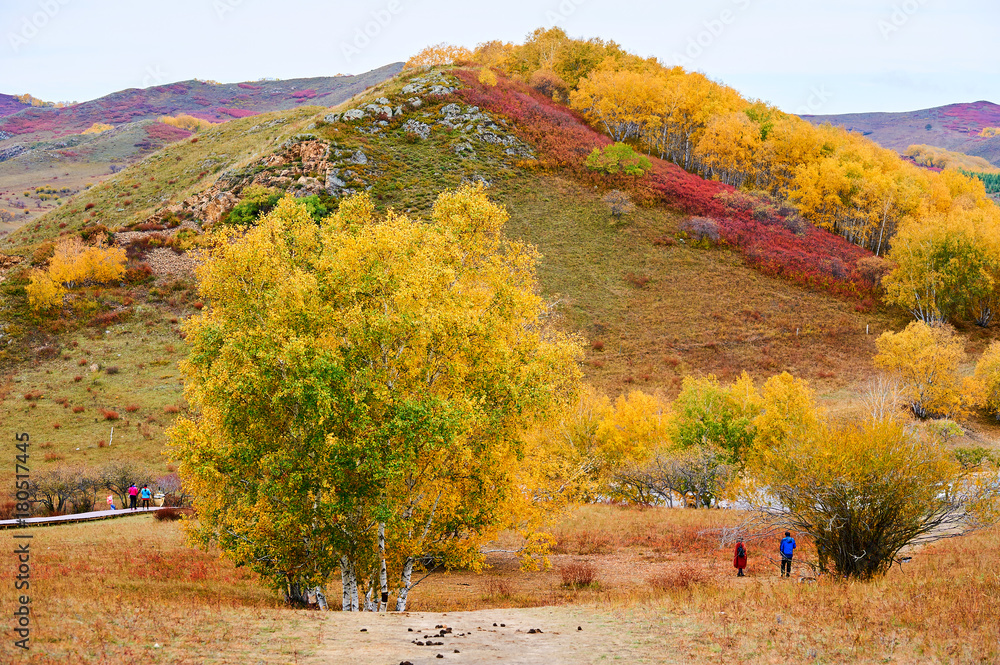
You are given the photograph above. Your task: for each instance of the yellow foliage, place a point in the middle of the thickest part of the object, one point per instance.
(487, 77)
(787, 408)
(43, 291)
(988, 375)
(98, 128)
(925, 359)
(73, 264)
(439, 54)
(990, 132)
(188, 122)
(929, 155)
(366, 383)
(863, 491)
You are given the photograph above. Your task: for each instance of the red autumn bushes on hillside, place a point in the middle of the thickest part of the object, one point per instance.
(772, 239)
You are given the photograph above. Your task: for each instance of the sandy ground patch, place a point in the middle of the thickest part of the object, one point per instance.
(568, 635)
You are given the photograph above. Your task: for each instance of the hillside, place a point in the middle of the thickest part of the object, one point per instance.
(45, 147)
(652, 306)
(953, 127)
(216, 102)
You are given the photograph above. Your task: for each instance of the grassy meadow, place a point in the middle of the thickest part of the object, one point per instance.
(128, 589)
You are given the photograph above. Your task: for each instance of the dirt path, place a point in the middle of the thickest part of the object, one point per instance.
(486, 636)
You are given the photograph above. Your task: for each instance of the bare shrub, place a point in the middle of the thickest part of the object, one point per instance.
(619, 202)
(872, 269)
(495, 586)
(703, 230)
(679, 578)
(168, 514)
(578, 574)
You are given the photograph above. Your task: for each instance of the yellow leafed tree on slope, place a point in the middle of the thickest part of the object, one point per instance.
(363, 386)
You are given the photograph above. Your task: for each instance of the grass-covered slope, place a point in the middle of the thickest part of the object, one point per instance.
(651, 305)
(184, 168)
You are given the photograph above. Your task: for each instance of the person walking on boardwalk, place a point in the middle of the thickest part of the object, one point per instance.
(145, 495)
(787, 549)
(133, 492)
(740, 559)
(111, 502)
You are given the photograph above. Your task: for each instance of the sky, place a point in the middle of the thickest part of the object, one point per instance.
(804, 56)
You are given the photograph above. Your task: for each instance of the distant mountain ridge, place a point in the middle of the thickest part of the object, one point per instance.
(953, 127)
(209, 101)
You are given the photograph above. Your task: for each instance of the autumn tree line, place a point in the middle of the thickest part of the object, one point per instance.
(940, 232)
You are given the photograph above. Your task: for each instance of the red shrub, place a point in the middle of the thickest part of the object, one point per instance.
(108, 414)
(772, 242)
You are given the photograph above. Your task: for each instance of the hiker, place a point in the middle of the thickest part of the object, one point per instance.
(740, 559)
(145, 495)
(133, 492)
(787, 548)
(111, 502)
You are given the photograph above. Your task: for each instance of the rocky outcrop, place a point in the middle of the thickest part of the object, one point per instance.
(12, 152)
(419, 129)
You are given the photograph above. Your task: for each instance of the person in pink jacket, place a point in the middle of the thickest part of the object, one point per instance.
(111, 502)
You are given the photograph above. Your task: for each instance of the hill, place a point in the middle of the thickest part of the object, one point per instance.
(215, 102)
(652, 303)
(45, 152)
(955, 127)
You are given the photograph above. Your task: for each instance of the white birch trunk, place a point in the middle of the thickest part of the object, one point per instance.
(321, 598)
(350, 582)
(404, 587)
(383, 576)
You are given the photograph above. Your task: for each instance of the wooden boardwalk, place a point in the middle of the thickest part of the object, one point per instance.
(79, 517)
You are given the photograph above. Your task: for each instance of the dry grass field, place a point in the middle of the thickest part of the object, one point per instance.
(646, 586)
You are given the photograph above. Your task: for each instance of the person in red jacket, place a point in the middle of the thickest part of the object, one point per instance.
(740, 559)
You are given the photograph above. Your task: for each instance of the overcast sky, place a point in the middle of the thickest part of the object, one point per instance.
(835, 56)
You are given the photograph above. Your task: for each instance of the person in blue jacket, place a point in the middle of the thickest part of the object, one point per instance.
(787, 548)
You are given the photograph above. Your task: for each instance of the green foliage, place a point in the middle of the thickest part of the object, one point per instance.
(709, 414)
(315, 206)
(618, 158)
(257, 201)
(973, 457)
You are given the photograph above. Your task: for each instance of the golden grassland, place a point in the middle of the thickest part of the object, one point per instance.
(111, 591)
